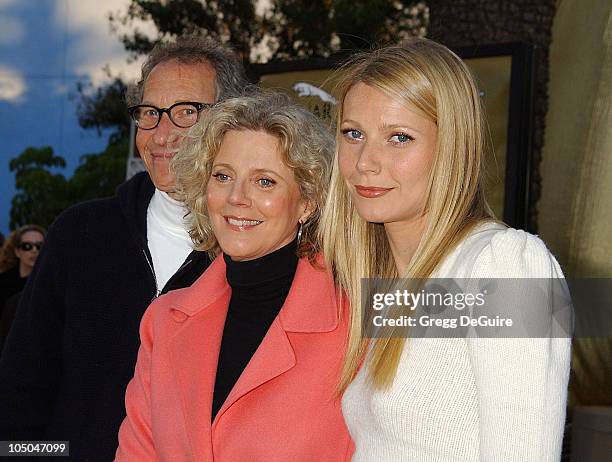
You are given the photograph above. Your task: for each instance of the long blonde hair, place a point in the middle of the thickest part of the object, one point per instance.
(432, 80)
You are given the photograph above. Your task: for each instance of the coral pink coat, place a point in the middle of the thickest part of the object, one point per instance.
(282, 408)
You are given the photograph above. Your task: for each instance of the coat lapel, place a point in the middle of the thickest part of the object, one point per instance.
(195, 353)
(194, 356)
(274, 357)
(311, 306)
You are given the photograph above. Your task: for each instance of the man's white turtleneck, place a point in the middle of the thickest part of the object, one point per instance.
(167, 236)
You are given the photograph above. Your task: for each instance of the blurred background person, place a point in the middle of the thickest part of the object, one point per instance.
(244, 365)
(17, 258)
(73, 345)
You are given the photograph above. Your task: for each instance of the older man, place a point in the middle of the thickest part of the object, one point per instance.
(73, 345)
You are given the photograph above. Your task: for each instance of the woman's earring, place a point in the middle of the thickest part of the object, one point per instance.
(299, 234)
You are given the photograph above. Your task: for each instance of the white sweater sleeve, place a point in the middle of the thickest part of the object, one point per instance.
(521, 383)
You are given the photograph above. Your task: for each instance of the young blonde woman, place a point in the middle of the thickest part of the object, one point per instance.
(406, 199)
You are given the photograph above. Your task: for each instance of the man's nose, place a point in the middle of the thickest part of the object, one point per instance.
(165, 132)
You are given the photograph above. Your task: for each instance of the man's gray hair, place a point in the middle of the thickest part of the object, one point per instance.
(230, 78)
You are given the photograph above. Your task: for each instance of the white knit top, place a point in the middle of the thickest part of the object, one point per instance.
(474, 399)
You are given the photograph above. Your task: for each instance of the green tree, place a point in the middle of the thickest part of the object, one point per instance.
(104, 108)
(41, 194)
(320, 28)
(98, 175)
(232, 21)
(290, 28)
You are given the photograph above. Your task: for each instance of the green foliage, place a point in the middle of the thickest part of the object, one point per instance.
(98, 175)
(42, 195)
(293, 28)
(104, 108)
(362, 24)
(35, 158)
(290, 29)
(319, 28)
(231, 21)
(302, 28)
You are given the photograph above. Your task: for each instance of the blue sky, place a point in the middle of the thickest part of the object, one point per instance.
(46, 47)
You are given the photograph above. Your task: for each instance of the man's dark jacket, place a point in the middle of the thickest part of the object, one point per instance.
(73, 345)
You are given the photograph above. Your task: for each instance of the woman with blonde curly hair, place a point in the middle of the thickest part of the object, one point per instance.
(406, 200)
(244, 364)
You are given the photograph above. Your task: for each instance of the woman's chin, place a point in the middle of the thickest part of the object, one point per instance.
(240, 253)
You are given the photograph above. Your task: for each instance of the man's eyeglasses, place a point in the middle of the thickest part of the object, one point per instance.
(183, 115)
(27, 246)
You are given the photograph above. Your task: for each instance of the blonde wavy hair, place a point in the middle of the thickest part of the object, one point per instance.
(433, 81)
(306, 148)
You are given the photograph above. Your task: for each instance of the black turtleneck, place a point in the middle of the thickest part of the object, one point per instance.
(259, 288)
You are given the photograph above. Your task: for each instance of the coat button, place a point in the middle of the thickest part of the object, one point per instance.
(178, 316)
